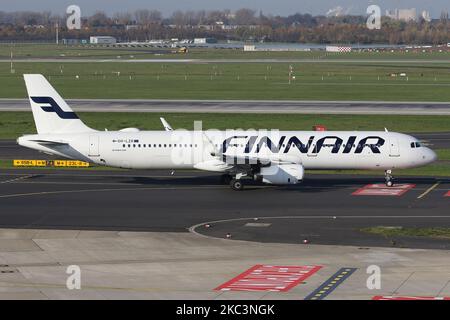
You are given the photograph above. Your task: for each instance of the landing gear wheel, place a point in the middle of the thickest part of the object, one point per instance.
(389, 178)
(236, 185)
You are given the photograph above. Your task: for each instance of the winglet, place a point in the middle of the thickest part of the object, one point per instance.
(166, 125)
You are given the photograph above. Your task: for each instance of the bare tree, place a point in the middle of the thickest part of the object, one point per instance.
(178, 18)
(99, 19)
(245, 16)
(123, 18)
(146, 17)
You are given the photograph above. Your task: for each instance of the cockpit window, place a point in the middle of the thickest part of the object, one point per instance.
(418, 145)
(413, 145)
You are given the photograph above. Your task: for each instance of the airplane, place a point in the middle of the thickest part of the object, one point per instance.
(268, 156)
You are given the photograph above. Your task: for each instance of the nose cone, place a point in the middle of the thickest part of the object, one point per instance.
(429, 156)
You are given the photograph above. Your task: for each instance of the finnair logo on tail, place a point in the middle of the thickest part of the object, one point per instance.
(52, 106)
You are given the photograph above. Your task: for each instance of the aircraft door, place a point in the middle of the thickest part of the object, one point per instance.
(394, 150)
(312, 151)
(94, 146)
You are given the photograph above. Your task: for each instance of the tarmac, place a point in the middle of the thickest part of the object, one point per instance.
(153, 265)
(323, 209)
(151, 235)
(238, 106)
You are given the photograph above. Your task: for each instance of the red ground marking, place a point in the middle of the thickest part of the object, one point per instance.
(447, 194)
(269, 278)
(382, 190)
(408, 298)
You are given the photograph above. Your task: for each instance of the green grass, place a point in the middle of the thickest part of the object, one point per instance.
(246, 81)
(388, 232)
(443, 154)
(15, 124)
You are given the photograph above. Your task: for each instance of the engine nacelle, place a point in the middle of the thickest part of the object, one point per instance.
(282, 174)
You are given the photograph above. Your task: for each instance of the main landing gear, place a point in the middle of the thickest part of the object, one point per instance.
(235, 182)
(389, 178)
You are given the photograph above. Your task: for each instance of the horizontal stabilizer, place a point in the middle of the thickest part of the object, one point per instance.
(50, 143)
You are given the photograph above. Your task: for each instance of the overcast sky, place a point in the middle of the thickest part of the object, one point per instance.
(282, 7)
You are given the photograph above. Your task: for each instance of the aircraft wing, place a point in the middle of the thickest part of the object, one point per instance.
(166, 125)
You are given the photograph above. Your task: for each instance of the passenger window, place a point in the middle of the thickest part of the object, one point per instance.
(129, 146)
(134, 146)
(123, 146)
(160, 146)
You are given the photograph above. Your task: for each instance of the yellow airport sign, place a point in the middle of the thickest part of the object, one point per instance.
(49, 163)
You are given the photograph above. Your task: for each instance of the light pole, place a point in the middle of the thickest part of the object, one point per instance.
(12, 63)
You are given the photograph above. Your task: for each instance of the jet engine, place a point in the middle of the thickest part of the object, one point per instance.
(282, 174)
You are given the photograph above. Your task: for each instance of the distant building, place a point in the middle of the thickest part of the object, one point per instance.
(204, 40)
(338, 49)
(132, 27)
(402, 14)
(407, 14)
(34, 26)
(102, 40)
(249, 47)
(74, 41)
(336, 12)
(426, 16)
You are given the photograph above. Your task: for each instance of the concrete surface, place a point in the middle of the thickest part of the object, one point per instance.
(146, 265)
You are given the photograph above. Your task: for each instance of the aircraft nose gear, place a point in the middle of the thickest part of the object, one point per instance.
(389, 178)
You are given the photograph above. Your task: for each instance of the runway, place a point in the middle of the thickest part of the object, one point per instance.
(323, 209)
(239, 106)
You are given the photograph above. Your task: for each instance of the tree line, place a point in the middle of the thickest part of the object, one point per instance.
(243, 25)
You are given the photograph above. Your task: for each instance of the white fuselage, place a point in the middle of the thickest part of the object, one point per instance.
(200, 149)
